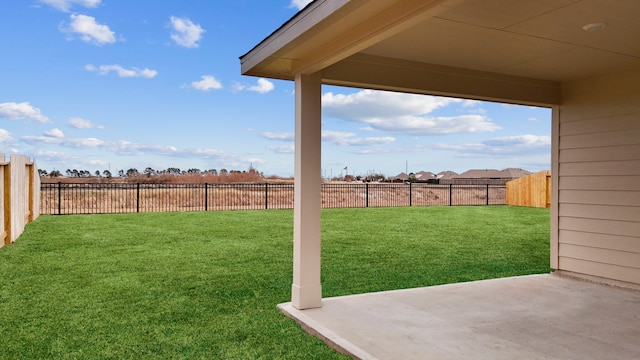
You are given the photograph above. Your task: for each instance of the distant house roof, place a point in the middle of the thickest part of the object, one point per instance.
(509, 173)
(516, 172)
(401, 176)
(425, 175)
(481, 174)
(447, 174)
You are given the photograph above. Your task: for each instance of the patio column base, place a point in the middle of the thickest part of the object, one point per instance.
(306, 297)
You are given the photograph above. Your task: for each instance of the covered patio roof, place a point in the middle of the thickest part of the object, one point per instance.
(510, 51)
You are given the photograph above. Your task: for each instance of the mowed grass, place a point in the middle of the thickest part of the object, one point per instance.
(206, 285)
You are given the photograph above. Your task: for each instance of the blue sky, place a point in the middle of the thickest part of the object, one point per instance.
(119, 84)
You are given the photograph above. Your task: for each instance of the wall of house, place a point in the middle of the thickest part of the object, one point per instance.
(599, 178)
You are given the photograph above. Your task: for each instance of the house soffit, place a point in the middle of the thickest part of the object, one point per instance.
(532, 38)
(541, 40)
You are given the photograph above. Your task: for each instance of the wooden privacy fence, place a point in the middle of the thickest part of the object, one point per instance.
(532, 190)
(19, 194)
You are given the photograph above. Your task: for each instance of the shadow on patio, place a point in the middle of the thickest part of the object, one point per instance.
(530, 317)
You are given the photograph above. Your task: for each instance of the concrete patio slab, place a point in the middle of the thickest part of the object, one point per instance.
(529, 317)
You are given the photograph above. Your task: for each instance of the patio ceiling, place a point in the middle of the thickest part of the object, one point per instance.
(515, 51)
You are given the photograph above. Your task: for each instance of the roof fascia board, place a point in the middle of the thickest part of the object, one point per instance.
(382, 73)
(392, 20)
(295, 27)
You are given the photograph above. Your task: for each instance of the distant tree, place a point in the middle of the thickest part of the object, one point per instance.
(375, 177)
(121, 173)
(84, 173)
(98, 173)
(173, 171)
(73, 173)
(42, 172)
(107, 174)
(193, 171)
(224, 172)
(213, 171)
(149, 171)
(132, 172)
(55, 173)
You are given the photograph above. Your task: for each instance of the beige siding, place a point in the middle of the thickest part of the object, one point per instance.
(599, 178)
(615, 198)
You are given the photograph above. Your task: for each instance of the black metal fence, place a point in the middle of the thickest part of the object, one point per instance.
(101, 198)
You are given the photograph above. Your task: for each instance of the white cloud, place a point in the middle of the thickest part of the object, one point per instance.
(186, 33)
(85, 143)
(22, 110)
(282, 149)
(403, 113)
(278, 136)
(65, 160)
(470, 103)
(80, 123)
(122, 72)
(123, 147)
(205, 153)
(299, 4)
(55, 137)
(128, 148)
(65, 5)
(5, 137)
(336, 137)
(442, 125)
(207, 83)
(527, 141)
(503, 146)
(89, 30)
(52, 155)
(55, 133)
(73, 143)
(263, 86)
(349, 138)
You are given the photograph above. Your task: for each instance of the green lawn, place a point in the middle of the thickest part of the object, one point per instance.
(206, 285)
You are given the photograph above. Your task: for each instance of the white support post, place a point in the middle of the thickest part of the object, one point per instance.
(306, 291)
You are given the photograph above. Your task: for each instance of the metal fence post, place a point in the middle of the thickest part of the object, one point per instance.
(59, 198)
(206, 196)
(266, 196)
(487, 194)
(410, 193)
(137, 197)
(366, 194)
(450, 194)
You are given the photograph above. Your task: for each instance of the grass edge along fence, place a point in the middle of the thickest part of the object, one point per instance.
(102, 198)
(19, 198)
